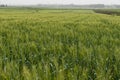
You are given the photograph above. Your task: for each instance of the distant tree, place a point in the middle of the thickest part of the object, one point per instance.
(117, 6)
(97, 6)
(3, 5)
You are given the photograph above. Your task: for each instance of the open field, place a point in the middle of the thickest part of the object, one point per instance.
(38, 44)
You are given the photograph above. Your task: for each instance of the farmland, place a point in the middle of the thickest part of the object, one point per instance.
(38, 44)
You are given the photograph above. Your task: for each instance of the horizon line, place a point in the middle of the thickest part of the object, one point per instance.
(55, 4)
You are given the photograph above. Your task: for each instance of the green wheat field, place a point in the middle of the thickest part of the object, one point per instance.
(49, 44)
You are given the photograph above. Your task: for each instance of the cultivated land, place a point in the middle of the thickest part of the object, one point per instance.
(43, 44)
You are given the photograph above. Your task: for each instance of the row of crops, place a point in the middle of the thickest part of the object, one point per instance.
(59, 45)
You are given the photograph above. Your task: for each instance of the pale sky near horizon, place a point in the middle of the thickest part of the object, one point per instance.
(27, 2)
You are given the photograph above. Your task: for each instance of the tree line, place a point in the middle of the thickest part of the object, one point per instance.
(3, 5)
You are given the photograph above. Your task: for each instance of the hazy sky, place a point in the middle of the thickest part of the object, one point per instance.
(20, 2)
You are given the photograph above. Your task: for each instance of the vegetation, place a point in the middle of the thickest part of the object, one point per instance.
(59, 45)
(108, 11)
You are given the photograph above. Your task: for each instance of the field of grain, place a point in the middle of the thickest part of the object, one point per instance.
(38, 44)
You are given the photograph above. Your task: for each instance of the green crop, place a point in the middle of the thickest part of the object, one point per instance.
(38, 44)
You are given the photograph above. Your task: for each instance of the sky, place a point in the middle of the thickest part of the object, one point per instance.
(29, 2)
